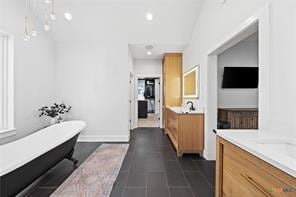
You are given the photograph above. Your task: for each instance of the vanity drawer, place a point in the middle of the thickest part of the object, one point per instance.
(172, 115)
(173, 128)
(172, 120)
(172, 123)
(245, 175)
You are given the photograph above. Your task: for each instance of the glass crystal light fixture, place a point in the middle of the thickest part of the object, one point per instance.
(53, 16)
(26, 34)
(50, 15)
(149, 16)
(34, 31)
(68, 16)
(46, 26)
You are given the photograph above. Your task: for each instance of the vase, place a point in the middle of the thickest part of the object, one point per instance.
(53, 121)
(60, 119)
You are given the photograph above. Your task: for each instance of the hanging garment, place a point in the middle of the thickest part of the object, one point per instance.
(148, 92)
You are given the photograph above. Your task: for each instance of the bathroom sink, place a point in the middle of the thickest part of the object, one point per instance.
(182, 110)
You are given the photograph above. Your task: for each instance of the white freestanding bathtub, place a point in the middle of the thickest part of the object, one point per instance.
(26, 159)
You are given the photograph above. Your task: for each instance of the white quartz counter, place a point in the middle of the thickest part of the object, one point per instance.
(182, 110)
(279, 152)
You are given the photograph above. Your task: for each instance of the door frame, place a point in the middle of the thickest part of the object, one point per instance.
(262, 20)
(135, 123)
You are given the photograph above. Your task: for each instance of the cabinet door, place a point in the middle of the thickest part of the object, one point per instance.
(249, 178)
(241, 120)
(233, 183)
(241, 174)
(236, 121)
(233, 188)
(246, 122)
(223, 115)
(255, 121)
(172, 70)
(191, 133)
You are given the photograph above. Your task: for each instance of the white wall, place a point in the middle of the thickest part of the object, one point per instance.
(148, 67)
(93, 78)
(244, 54)
(218, 20)
(282, 71)
(34, 75)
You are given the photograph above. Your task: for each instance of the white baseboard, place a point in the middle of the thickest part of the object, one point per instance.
(103, 138)
(7, 133)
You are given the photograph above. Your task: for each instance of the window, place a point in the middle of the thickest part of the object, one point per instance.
(6, 86)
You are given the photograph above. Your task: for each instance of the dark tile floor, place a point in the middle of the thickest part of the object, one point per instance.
(150, 169)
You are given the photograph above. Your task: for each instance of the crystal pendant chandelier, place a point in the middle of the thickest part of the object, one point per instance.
(49, 16)
(26, 34)
(52, 13)
(34, 31)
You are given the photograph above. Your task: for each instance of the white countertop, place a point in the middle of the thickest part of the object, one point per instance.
(182, 110)
(279, 152)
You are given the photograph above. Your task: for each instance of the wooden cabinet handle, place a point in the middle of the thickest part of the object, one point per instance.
(256, 185)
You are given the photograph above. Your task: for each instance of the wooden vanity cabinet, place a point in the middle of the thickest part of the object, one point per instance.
(186, 132)
(239, 173)
(172, 73)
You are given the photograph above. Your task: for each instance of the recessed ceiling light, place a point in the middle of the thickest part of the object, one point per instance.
(68, 16)
(149, 16)
(47, 1)
(149, 47)
(149, 52)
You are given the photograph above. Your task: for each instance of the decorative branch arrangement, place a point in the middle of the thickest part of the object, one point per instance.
(55, 110)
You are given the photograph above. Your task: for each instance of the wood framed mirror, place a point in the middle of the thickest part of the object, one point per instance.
(191, 83)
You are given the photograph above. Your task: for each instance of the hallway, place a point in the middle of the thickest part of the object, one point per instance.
(151, 121)
(152, 169)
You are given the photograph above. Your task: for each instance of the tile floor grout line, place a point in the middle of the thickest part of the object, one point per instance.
(128, 172)
(204, 176)
(166, 178)
(183, 173)
(135, 187)
(47, 188)
(146, 184)
(186, 178)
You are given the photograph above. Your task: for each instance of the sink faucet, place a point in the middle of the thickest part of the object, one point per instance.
(191, 106)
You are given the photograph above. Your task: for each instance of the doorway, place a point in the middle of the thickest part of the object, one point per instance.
(237, 91)
(259, 22)
(148, 102)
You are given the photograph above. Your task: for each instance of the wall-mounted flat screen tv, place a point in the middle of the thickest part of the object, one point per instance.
(240, 77)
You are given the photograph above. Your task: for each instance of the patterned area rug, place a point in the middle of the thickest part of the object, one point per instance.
(96, 176)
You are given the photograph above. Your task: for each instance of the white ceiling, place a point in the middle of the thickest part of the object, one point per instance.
(124, 20)
(140, 52)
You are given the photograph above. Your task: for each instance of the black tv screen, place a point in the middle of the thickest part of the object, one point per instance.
(240, 77)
